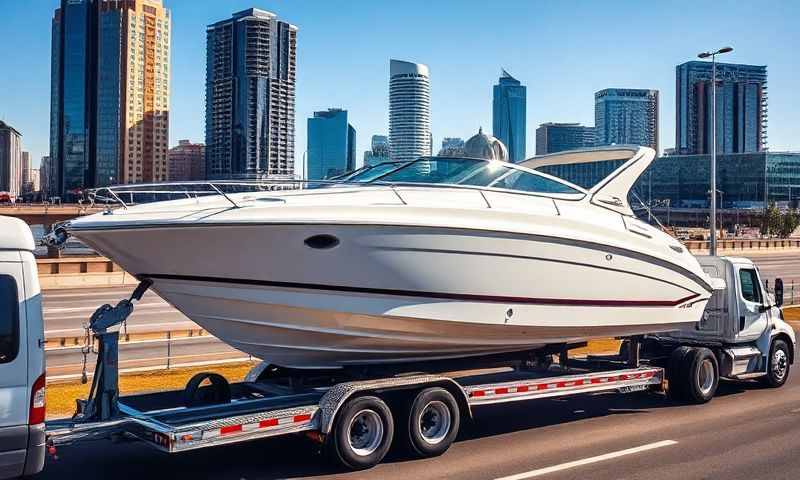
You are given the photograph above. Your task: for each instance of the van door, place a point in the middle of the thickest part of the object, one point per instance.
(752, 321)
(14, 391)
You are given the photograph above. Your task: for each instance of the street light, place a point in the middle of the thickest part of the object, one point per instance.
(713, 223)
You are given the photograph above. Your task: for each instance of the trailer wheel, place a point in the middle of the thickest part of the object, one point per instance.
(362, 433)
(702, 375)
(433, 423)
(778, 364)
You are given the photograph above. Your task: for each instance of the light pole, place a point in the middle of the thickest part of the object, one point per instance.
(713, 217)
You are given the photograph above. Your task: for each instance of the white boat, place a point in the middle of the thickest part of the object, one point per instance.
(484, 257)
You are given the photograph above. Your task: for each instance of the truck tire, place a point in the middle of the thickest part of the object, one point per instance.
(701, 378)
(362, 433)
(676, 373)
(777, 365)
(433, 423)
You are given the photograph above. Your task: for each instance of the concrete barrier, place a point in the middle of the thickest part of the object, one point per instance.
(77, 272)
(744, 245)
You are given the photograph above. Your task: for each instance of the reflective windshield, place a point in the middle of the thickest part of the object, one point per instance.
(367, 174)
(479, 173)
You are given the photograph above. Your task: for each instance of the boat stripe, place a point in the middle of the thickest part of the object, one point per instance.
(440, 295)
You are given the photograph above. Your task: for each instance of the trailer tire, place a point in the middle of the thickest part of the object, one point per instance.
(778, 364)
(217, 391)
(432, 423)
(362, 433)
(675, 373)
(702, 375)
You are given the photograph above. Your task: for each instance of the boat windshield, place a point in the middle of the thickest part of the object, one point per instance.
(478, 173)
(370, 173)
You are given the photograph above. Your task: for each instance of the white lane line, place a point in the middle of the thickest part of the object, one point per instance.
(53, 310)
(587, 461)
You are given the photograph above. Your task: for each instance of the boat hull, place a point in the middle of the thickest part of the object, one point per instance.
(390, 294)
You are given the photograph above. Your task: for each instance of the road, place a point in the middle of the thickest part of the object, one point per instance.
(747, 432)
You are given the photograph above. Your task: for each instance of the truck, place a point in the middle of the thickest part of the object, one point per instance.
(356, 415)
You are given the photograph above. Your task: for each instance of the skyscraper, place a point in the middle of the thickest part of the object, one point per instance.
(626, 116)
(250, 96)
(509, 115)
(109, 93)
(10, 159)
(452, 147)
(557, 137)
(741, 108)
(187, 161)
(146, 71)
(379, 151)
(331, 144)
(409, 110)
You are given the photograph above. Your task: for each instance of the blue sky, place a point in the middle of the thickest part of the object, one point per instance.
(563, 51)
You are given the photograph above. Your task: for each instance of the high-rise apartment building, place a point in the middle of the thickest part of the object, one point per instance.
(626, 116)
(44, 176)
(145, 73)
(741, 108)
(558, 137)
(109, 93)
(10, 159)
(379, 151)
(250, 96)
(509, 115)
(331, 144)
(187, 161)
(409, 110)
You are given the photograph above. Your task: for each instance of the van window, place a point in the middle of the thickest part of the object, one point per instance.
(9, 319)
(750, 288)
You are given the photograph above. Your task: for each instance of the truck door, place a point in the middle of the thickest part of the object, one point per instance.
(752, 318)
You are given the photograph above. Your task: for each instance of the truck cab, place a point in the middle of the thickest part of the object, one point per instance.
(744, 321)
(22, 377)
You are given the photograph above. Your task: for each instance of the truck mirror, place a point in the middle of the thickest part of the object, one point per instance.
(779, 292)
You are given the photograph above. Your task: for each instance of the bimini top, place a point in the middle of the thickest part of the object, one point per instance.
(612, 191)
(15, 235)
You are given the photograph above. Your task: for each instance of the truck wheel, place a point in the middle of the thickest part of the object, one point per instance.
(702, 375)
(675, 373)
(778, 364)
(362, 433)
(433, 422)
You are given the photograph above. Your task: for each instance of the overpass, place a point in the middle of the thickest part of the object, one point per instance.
(45, 214)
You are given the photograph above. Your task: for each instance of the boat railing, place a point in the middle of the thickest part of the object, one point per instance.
(127, 195)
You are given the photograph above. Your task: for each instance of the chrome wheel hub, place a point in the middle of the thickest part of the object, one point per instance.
(706, 376)
(434, 422)
(780, 364)
(365, 432)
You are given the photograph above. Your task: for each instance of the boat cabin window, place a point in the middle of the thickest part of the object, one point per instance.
(9, 319)
(749, 282)
(478, 173)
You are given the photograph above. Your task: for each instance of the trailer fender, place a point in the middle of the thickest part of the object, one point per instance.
(337, 396)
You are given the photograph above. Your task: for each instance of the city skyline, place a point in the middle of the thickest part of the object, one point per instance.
(564, 94)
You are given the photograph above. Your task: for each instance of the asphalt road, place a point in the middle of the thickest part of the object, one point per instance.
(747, 432)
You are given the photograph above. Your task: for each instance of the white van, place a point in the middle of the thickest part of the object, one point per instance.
(22, 378)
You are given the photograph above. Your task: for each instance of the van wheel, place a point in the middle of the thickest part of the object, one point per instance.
(433, 422)
(701, 375)
(362, 433)
(778, 365)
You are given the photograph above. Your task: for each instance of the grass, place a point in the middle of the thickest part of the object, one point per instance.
(61, 397)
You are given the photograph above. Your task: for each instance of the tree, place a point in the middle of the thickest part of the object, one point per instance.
(772, 222)
(789, 223)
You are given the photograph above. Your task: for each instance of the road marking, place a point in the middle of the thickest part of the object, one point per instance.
(587, 461)
(52, 310)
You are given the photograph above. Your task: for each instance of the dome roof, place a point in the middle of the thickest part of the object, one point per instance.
(486, 147)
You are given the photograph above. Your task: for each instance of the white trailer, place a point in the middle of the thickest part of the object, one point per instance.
(355, 414)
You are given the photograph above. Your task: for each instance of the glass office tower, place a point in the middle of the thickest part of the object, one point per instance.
(331, 144)
(509, 115)
(741, 108)
(626, 116)
(557, 137)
